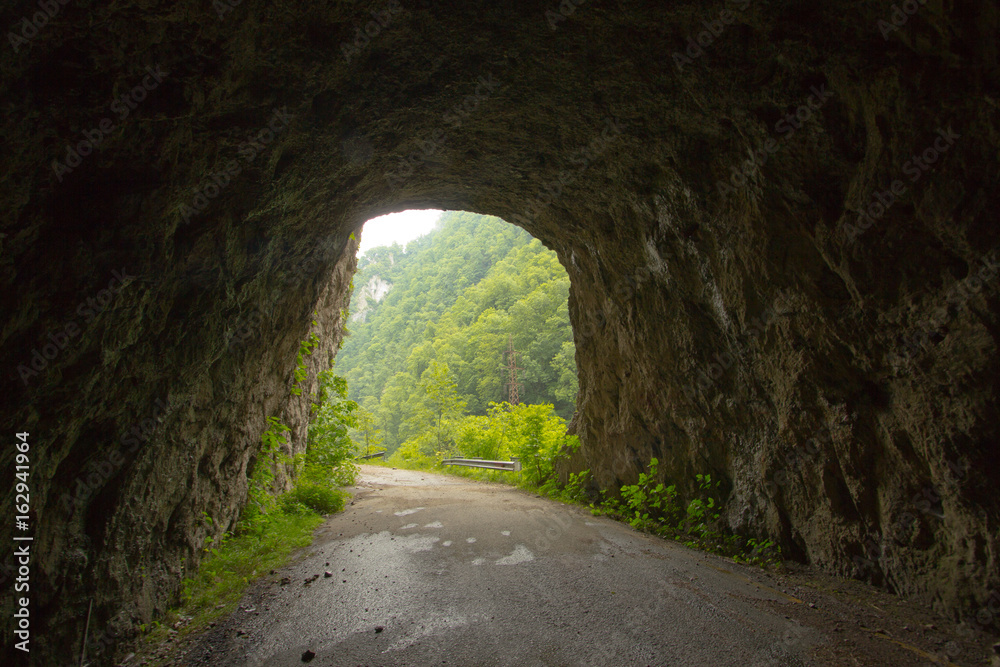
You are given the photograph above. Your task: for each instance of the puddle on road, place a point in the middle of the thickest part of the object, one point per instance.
(436, 524)
(421, 543)
(521, 555)
(429, 628)
(410, 511)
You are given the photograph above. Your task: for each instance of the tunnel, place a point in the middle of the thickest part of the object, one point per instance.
(778, 219)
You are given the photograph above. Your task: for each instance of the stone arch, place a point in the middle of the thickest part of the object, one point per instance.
(702, 176)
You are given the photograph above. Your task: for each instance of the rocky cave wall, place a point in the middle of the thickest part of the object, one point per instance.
(698, 168)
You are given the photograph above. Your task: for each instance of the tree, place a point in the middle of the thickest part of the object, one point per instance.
(457, 294)
(370, 435)
(564, 366)
(392, 408)
(440, 400)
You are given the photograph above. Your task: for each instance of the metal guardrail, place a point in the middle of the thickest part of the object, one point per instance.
(513, 465)
(376, 455)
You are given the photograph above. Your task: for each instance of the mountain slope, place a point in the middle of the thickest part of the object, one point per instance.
(457, 296)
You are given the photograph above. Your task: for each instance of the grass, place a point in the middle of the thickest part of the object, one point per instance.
(239, 560)
(252, 551)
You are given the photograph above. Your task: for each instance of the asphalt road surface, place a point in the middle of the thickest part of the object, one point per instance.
(436, 570)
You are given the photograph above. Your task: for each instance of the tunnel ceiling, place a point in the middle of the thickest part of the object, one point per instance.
(779, 220)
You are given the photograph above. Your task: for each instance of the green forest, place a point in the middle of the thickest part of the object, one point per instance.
(427, 361)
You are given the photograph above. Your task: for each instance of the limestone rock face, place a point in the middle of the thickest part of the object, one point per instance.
(779, 220)
(375, 289)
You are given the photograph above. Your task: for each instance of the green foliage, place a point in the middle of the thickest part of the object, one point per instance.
(648, 505)
(273, 526)
(456, 296)
(411, 454)
(315, 497)
(261, 498)
(330, 448)
(537, 435)
(533, 433)
(301, 372)
(369, 436)
(435, 406)
(345, 474)
(702, 516)
(653, 507)
(253, 550)
(576, 491)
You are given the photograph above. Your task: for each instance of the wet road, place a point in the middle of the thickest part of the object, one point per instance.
(433, 570)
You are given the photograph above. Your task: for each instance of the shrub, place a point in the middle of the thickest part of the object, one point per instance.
(315, 497)
(329, 446)
(346, 474)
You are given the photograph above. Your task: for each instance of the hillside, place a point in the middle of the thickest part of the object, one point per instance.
(454, 297)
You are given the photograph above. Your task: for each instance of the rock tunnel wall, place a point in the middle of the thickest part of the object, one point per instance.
(778, 219)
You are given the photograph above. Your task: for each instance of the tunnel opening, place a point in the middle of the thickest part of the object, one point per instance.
(439, 318)
(450, 329)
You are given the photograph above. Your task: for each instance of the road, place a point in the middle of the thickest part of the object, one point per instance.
(437, 570)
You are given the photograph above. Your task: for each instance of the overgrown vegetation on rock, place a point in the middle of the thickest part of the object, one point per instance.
(274, 523)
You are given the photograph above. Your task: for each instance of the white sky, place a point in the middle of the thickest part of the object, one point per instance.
(400, 227)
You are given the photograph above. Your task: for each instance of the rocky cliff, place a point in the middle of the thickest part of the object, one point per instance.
(375, 289)
(778, 219)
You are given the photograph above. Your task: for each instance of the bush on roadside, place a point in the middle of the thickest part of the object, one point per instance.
(315, 497)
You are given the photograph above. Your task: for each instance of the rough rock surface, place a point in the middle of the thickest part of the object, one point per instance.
(375, 289)
(841, 378)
